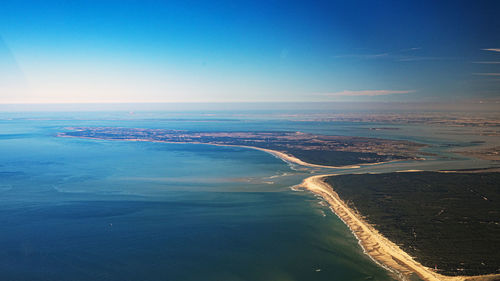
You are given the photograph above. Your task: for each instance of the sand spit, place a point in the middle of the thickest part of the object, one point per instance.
(281, 155)
(292, 159)
(375, 245)
(380, 249)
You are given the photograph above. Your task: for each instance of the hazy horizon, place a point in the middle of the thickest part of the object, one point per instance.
(233, 140)
(225, 51)
(332, 107)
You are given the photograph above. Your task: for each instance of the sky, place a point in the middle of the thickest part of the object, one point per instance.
(248, 51)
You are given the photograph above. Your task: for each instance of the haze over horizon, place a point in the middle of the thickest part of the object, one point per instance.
(246, 140)
(238, 51)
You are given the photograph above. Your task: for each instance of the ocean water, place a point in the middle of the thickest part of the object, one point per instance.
(77, 209)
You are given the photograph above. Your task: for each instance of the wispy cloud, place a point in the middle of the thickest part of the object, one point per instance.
(403, 55)
(487, 74)
(487, 62)
(410, 49)
(422, 58)
(492, 50)
(363, 56)
(367, 93)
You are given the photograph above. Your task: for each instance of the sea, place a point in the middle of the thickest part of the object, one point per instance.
(80, 209)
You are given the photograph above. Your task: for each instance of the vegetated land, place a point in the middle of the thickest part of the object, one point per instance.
(448, 220)
(489, 153)
(311, 148)
(490, 121)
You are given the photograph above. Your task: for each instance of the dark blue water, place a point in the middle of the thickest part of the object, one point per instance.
(75, 209)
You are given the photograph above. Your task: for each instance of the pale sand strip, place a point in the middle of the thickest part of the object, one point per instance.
(380, 249)
(292, 159)
(281, 155)
(374, 244)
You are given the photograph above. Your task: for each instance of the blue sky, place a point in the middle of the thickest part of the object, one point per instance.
(232, 51)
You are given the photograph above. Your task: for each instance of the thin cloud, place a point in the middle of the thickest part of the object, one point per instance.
(492, 50)
(487, 74)
(487, 62)
(367, 93)
(363, 56)
(411, 49)
(418, 58)
(403, 55)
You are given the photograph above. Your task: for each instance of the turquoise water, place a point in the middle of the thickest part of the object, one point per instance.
(76, 209)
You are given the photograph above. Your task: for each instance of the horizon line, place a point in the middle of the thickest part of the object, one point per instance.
(480, 101)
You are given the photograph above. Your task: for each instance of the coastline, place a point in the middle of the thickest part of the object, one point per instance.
(380, 249)
(281, 155)
(292, 159)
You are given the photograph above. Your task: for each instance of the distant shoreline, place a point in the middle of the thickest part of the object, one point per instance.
(290, 158)
(281, 155)
(310, 150)
(380, 249)
(375, 245)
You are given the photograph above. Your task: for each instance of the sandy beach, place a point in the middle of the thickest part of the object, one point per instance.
(375, 245)
(281, 155)
(292, 159)
(380, 249)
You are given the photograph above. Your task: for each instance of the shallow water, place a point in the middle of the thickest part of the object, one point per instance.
(75, 209)
(79, 209)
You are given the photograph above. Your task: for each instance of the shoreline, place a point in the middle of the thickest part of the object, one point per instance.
(380, 249)
(281, 155)
(292, 159)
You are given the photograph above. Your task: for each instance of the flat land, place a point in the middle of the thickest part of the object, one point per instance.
(310, 148)
(446, 220)
(490, 153)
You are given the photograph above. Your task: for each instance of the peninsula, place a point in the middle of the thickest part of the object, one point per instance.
(421, 229)
(301, 148)
(441, 226)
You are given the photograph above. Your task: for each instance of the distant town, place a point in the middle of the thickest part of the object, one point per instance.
(311, 148)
